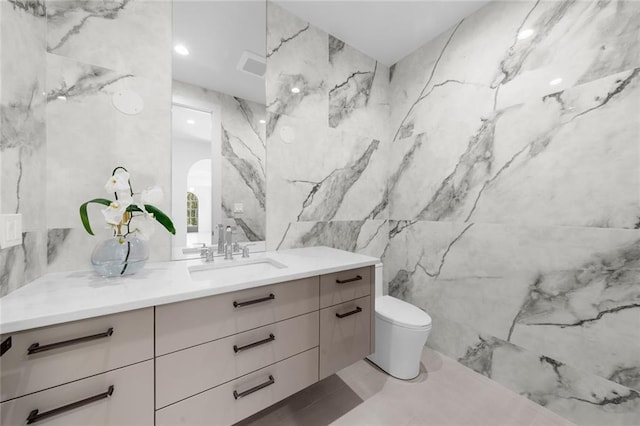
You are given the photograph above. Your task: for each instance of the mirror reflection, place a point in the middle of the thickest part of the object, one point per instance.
(218, 118)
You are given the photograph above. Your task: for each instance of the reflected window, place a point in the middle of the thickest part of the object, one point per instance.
(192, 212)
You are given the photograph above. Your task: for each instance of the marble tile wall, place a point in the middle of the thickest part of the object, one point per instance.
(23, 136)
(95, 49)
(243, 155)
(514, 204)
(62, 61)
(327, 144)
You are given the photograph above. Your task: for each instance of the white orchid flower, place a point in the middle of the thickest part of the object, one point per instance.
(143, 226)
(119, 182)
(113, 213)
(152, 195)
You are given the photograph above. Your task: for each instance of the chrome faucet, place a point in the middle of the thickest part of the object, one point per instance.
(206, 253)
(245, 250)
(228, 246)
(220, 239)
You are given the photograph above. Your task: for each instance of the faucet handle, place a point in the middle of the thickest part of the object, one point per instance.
(245, 250)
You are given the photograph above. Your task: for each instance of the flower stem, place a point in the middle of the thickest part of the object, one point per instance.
(126, 259)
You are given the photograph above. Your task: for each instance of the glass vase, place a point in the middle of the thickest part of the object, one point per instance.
(119, 256)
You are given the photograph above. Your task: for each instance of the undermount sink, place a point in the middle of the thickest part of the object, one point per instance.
(210, 271)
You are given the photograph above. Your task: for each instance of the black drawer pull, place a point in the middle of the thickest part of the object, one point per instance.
(36, 348)
(237, 395)
(355, 311)
(5, 345)
(252, 302)
(271, 338)
(350, 280)
(35, 417)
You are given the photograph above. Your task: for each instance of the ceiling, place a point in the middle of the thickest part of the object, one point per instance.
(217, 33)
(385, 30)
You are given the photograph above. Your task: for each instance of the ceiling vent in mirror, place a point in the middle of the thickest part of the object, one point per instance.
(252, 63)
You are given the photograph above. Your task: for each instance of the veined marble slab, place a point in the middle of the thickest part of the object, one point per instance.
(562, 168)
(569, 293)
(128, 36)
(574, 394)
(23, 137)
(297, 57)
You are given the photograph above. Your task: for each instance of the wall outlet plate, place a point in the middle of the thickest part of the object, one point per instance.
(10, 230)
(238, 208)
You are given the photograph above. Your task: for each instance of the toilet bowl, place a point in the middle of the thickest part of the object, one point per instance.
(402, 330)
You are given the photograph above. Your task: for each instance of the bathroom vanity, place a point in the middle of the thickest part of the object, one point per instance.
(182, 343)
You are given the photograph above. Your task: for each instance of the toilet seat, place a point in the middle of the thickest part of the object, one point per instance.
(402, 314)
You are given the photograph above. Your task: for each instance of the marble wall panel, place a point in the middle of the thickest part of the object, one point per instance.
(94, 50)
(22, 137)
(127, 36)
(87, 138)
(506, 169)
(327, 145)
(514, 203)
(297, 57)
(584, 398)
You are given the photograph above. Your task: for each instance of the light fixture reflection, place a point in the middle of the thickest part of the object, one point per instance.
(262, 121)
(295, 90)
(555, 82)
(524, 34)
(181, 49)
(191, 122)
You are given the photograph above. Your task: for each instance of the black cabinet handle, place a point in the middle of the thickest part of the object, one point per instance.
(237, 395)
(355, 311)
(35, 417)
(5, 345)
(271, 338)
(350, 280)
(252, 302)
(36, 348)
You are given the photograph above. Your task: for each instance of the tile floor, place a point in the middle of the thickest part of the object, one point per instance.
(444, 394)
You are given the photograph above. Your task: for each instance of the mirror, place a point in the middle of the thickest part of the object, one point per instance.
(218, 124)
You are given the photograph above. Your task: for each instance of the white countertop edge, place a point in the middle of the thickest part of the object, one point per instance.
(33, 322)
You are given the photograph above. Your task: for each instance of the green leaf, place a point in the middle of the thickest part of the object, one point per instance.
(161, 217)
(85, 217)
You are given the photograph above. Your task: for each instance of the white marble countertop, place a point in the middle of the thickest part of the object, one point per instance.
(69, 296)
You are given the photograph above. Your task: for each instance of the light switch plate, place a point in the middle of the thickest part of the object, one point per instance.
(10, 230)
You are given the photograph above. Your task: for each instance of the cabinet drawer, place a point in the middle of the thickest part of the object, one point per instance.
(62, 355)
(219, 406)
(130, 403)
(345, 335)
(187, 372)
(343, 286)
(184, 324)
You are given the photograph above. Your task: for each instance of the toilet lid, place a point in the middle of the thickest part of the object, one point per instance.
(398, 312)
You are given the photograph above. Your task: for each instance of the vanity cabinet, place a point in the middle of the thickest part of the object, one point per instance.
(97, 371)
(120, 397)
(209, 360)
(346, 319)
(227, 357)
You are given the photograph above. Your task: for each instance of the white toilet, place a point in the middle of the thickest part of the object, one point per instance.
(401, 332)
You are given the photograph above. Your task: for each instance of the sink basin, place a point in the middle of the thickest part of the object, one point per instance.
(231, 268)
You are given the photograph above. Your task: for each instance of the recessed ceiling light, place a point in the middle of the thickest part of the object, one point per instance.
(295, 90)
(191, 122)
(524, 34)
(555, 82)
(181, 49)
(62, 98)
(262, 121)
